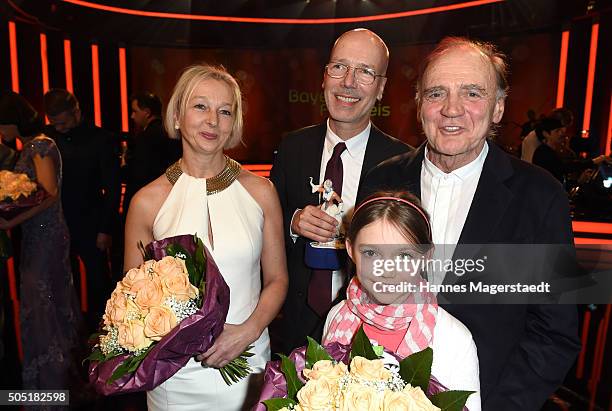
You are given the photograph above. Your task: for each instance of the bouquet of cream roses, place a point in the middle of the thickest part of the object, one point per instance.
(160, 315)
(18, 193)
(368, 383)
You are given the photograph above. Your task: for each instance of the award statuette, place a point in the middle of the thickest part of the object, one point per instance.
(327, 256)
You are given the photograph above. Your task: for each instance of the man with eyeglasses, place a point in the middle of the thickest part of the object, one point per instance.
(348, 143)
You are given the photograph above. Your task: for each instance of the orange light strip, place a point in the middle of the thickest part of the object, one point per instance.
(44, 62)
(227, 19)
(68, 65)
(13, 49)
(593, 382)
(588, 101)
(562, 68)
(584, 339)
(12, 283)
(257, 167)
(15, 303)
(262, 170)
(592, 227)
(122, 199)
(606, 326)
(123, 91)
(608, 149)
(587, 241)
(83, 277)
(44, 66)
(95, 72)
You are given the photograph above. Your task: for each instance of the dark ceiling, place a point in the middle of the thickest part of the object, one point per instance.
(485, 21)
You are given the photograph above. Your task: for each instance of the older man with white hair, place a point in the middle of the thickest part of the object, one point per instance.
(477, 194)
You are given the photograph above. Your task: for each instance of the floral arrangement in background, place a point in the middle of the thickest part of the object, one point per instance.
(15, 188)
(368, 383)
(18, 194)
(15, 185)
(162, 313)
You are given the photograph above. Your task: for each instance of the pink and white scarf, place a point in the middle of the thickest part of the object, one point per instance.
(418, 320)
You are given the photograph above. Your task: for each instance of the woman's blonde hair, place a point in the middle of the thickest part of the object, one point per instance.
(183, 90)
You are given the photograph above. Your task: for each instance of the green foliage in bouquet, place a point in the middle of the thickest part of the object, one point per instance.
(315, 352)
(414, 370)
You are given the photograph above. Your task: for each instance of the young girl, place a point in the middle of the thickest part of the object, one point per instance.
(385, 226)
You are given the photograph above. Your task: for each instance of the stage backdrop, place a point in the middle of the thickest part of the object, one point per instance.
(282, 88)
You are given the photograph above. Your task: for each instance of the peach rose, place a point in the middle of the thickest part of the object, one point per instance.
(116, 308)
(169, 266)
(361, 398)
(131, 335)
(325, 369)
(132, 277)
(177, 283)
(369, 369)
(317, 395)
(158, 322)
(150, 293)
(420, 402)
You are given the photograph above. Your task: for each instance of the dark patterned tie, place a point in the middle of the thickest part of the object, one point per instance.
(320, 287)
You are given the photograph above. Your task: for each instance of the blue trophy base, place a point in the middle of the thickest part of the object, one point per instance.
(327, 256)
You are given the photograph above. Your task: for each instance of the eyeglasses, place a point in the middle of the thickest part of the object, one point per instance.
(363, 75)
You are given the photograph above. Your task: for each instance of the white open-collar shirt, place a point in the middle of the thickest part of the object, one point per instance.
(447, 197)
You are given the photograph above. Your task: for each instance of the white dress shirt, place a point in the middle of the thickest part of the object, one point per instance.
(352, 162)
(447, 197)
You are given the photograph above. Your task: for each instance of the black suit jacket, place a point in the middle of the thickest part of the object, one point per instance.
(91, 187)
(524, 350)
(149, 154)
(298, 158)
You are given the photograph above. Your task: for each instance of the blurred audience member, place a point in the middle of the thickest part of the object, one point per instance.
(550, 132)
(529, 125)
(150, 150)
(90, 194)
(531, 142)
(567, 120)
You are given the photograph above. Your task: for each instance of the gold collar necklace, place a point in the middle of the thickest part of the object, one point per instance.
(214, 184)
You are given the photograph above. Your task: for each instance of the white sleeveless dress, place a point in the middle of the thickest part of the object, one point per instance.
(237, 230)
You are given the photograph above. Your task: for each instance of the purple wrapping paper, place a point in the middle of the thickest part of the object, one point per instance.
(275, 385)
(11, 209)
(192, 336)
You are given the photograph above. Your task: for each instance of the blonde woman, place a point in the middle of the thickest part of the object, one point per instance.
(238, 217)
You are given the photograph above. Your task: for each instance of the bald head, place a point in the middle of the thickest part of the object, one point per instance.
(370, 42)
